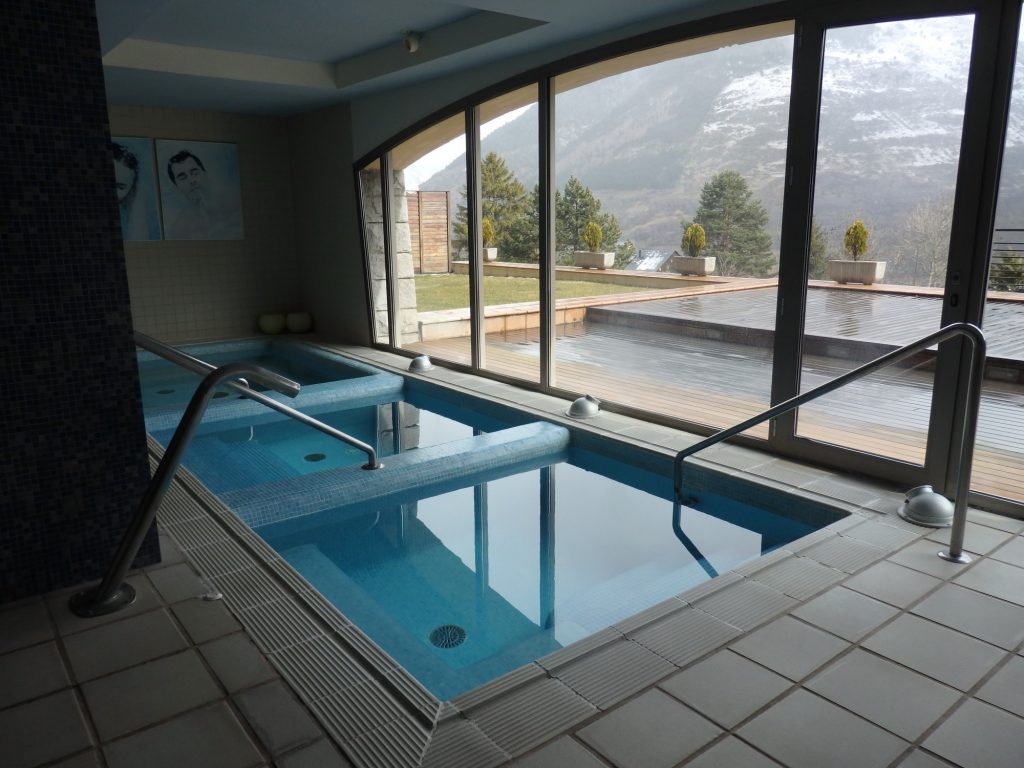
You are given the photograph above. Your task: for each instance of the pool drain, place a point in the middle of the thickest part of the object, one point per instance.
(448, 636)
(315, 456)
(164, 391)
(217, 395)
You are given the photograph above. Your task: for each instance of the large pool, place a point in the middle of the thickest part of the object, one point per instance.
(487, 541)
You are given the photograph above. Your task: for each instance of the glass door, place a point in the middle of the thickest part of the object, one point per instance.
(891, 116)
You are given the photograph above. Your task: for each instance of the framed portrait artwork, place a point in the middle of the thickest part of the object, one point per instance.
(200, 190)
(135, 183)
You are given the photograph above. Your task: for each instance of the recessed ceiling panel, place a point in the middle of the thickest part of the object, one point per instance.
(309, 30)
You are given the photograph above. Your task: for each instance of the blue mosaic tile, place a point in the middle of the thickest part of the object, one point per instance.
(74, 444)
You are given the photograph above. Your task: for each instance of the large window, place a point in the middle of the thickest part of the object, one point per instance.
(698, 230)
(892, 106)
(668, 209)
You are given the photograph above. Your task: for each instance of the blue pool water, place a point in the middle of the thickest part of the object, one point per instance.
(522, 565)
(487, 541)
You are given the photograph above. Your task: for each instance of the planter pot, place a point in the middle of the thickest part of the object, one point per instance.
(593, 259)
(299, 322)
(692, 265)
(847, 271)
(272, 323)
(490, 254)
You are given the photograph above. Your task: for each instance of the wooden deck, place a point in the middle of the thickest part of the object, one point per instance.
(718, 382)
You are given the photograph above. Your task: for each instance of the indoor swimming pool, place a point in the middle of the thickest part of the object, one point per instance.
(489, 539)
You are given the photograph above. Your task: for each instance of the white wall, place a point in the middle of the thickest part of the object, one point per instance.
(184, 290)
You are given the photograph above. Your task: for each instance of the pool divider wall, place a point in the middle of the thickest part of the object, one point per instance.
(430, 470)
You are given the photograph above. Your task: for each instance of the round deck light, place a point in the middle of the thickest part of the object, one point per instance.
(924, 506)
(421, 363)
(585, 407)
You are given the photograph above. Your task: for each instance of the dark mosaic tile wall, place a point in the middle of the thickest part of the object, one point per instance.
(72, 443)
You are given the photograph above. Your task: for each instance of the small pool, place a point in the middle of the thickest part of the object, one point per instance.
(463, 586)
(489, 539)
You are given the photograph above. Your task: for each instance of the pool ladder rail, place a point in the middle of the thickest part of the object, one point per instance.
(113, 593)
(965, 432)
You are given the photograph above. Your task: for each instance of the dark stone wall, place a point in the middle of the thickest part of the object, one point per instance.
(73, 459)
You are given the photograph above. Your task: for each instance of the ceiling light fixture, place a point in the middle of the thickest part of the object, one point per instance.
(412, 41)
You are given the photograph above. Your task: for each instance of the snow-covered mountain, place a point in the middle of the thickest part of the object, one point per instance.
(889, 139)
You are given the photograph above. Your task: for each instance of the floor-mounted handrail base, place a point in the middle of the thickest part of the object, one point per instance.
(84, 604)
(963, 558)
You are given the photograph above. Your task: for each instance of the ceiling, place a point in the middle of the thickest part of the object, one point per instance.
(289, 56)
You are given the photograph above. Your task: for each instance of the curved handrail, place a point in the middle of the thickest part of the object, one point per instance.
(113, 593)
(967, 425)
(201, 367)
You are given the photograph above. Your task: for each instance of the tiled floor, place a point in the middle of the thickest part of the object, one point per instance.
(860, 649)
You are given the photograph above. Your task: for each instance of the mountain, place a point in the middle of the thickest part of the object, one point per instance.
(647, 140)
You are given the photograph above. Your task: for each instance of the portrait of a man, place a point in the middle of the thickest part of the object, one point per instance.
(135, 187)
(200, 190)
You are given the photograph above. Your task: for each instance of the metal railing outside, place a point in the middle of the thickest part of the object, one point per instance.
(196, 365)
(966, 431)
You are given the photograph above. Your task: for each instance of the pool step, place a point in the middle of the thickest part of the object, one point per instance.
(430, 471)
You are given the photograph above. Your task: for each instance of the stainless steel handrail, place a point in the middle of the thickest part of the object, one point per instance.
(114, 593)
(196, 365)
(967, 425)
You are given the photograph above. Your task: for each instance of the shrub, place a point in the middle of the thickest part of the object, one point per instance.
(694, 240)
(856, 239)
(487, 231)
(592, 235)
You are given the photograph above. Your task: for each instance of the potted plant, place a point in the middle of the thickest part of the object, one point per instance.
(693, 242)
(592, 258)
(487, 231)
(855, 269)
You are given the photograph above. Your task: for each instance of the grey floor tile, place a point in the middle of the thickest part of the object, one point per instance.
(1006, 687)
(1012, 552)
(146, 599)
(31, 672)
(652, 731)
(726, 687)
(935, 651)
(237, 662)
(203, 738)
(993, 520)
(148, 693)
(923, 556)
(177, 582)
(123, 644)
(884, 536)
(806, 731)
(885, 693)
(611, 674)
(977, 538)
(279, 721)
(732, 753)
(42, 730)
(90, 759)
(457, 743)
(921, 759)
(24, 624)
(205, 619)
(980, 736)
(170, 553)
(987, 618)
(892, 584)
(745, 604)
(997, 579)
(846, 613)
(562, 753)
(321, 754)
(790, 647)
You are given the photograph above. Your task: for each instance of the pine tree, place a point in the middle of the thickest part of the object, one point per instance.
(819, 252)
(735, 225)
(503, 200)
(575, 207)
(855, 241)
